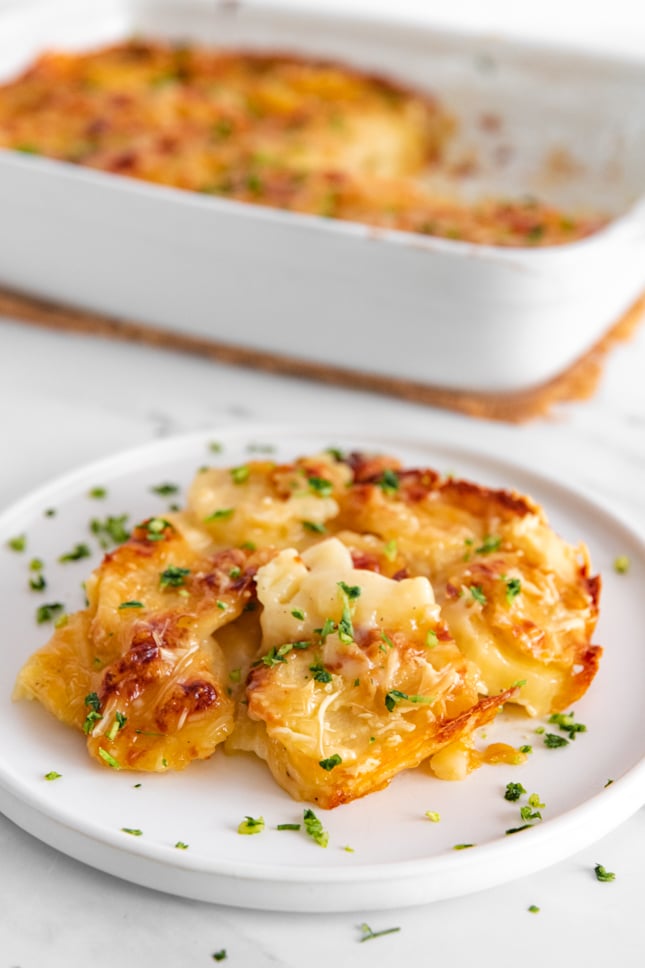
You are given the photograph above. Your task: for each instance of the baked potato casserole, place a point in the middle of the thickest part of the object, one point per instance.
(278, 130)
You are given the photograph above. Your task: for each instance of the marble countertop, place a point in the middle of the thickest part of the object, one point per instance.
(67, 400)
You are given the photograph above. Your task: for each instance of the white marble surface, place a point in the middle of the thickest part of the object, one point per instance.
(66, 400)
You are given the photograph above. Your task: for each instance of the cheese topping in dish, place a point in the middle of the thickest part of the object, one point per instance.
(296, 134)
(340, 616)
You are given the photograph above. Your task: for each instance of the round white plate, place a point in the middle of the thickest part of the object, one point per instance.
(383, 852)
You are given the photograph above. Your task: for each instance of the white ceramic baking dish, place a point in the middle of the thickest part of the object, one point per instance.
(439, 312)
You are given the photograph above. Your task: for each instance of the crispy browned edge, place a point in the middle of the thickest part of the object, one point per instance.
(578, 382)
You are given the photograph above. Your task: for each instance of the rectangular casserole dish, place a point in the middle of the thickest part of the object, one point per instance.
(570, 128)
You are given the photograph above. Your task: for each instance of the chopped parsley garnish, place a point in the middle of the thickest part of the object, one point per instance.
(567, 723)
(92, 700)
(78, 551)
(119, 722)
(603, 875)
(621, 564)
(389, 481)
(352, 591)
(330, 762)
(534, 909)
(298, 613)
(336, 453)
(240, 475)
(328, 627)
(277, 653)
(390, 549)
(315, 527)
(345, 627)
(53, 775)
(314, 828)
(320, 486)
(319, 673)
(235, 572)
(49, 611)
(38, 584)
(288, 826)
(219, 955)
(432, 816)
(367, 934)
(235, 675)
(109, 759)
(552, 741)
(165, 489)
(97, 493)
(173, 577)
(111, 530)
(431, 639)
(36, 564)
(61, 621)
(180, 845)
(462, 846)
(478, 594)
(133, 831)
(489, 544)
(215, 447)
(513, 588)
(395, 696)
(526, 749)
(131, 604)
(19, 543)
(513, 791)
(251, 825)
(220, 514)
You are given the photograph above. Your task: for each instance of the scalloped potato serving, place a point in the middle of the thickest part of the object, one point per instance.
(341, 617)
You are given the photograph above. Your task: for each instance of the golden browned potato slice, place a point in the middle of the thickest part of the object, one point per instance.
(359, 679)
(519, 601)
(263, 504)
(139, 670)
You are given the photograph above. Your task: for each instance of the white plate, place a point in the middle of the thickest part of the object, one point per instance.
(398, 857)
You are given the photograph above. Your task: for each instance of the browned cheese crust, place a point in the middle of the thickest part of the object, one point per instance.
(298, 134)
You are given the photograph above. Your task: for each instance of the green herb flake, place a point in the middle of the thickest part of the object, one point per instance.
(315, 527)
(490, 543)
(533, 908)
(180, 845)
(319, 673)
(251, 825)
(431, 639)
(215, 447)
(552, 741)
(314, 828)
(566, 722)
(165, 489)
(513, 791)
(513, 589)
(478, 594)
(133, 831)
(621, 564)
(389, 481)
(603, 875)
(320, 486)
(432, 816)
(48, 612)
(173, 577)
(109, 759)
(78, 552)
(131, 604)
(391, 549)
(155, 529)
(219, 955)
(367, 934)
(19, 543)
(119, 722)
(330, 762)
(53, 775)
(97, 493)
(235, 675)
(395, 696)
(516, 830)
(38, 584)
(288, 826)
(526, 749)
(61, 621)
(221, 514)
(240, 475)
(235, 572)
(298, 613)
(110, 530)
(463, 846)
